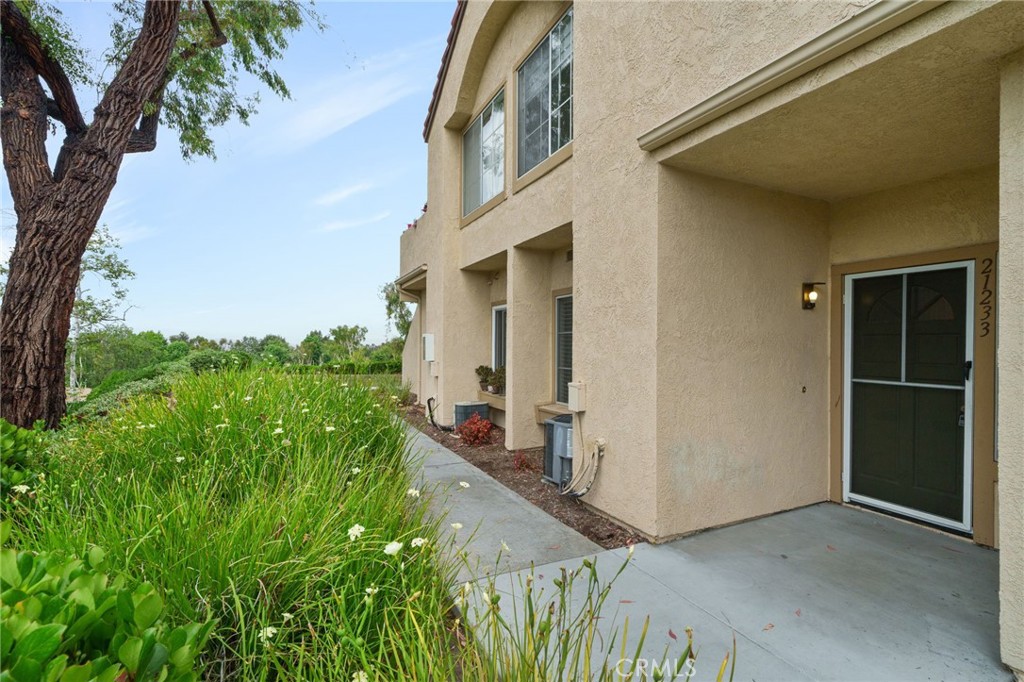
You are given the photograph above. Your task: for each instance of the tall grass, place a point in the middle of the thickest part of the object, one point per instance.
(235, 496)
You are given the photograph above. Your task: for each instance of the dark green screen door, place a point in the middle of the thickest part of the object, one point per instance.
(909, 373)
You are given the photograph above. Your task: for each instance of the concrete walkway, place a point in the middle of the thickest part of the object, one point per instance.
(820, 593)
(490, 515)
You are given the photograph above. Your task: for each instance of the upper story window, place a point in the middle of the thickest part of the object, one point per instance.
(483, 156)
(544, 109)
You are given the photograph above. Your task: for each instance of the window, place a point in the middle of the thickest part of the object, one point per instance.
(545, 97)
(563, 347)
(499, 335)
(483, 156)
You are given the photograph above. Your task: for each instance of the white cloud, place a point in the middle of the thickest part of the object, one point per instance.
(343, 193)
(340, 100)
(337, 225)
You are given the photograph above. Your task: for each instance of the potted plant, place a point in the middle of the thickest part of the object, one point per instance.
(498, 380)
(484, 373)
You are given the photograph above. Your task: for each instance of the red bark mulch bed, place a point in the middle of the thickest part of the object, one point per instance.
(520, 471)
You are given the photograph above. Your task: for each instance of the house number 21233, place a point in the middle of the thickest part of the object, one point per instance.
(985, 302)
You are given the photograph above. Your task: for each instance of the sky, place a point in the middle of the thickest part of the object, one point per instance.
(296, 225)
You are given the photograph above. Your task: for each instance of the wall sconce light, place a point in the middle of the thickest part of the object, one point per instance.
(811, 294)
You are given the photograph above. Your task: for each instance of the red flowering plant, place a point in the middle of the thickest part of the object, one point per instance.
(475, 431)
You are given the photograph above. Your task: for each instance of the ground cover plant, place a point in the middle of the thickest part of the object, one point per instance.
(274, 504)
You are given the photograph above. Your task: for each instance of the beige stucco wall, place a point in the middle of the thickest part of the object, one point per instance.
(742, 369)
(942, 213)
(1011, 363)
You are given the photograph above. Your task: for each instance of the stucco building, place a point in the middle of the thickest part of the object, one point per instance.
(639, 198)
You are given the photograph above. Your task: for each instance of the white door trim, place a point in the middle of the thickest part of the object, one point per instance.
(848, 496)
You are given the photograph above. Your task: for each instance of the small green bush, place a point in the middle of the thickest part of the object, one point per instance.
(100, 403)
(21, 461)
(211, 360)
(65, 619)
(350, 367)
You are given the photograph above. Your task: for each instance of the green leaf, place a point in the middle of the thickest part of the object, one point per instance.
(157, 661)
(9, 572)
(181, 659)
(96, 556)
(77, 673)
(55, 668)
(5, 531)
(27, 670)
(125, 606)
(6, 640)
(128, 654)
(41, 643)
(148, 610)
(84, 597)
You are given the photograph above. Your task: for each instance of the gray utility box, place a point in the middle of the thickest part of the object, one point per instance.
(558, 450)
(465, 410)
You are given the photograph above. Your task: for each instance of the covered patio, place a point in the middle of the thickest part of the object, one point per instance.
(826, 592)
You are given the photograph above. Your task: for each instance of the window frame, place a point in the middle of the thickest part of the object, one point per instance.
(495, 309)
(466, 218)
(554, 157)
(554, 358)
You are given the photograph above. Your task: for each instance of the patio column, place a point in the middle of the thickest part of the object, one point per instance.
(528, 369)
(1010, 354)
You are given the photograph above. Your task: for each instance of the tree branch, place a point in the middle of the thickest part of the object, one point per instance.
(143, 138)
(22, 126)
(17, 27)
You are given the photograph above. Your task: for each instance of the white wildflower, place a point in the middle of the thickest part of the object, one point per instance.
(418, 542)
(504, 547)
(305, 410)
(355, 470)
(21, 489)
(457, 526)
(360, 676)
(328, 429)
(286, 616)
(179, 460)
(355, 531)
(278, 430)
(221, 426)
(372, 590)
(248, 398)
(286, 442)
(267, 633)
(393, 548)
(216, 406)
(463, 484)
(412, 492)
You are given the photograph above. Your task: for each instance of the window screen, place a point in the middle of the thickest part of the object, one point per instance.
(563, 347)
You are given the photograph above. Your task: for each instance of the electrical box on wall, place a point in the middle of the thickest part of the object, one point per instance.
(577, 396)
(428, 347)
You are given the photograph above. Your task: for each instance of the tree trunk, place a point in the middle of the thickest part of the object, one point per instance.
(35, 320)
(58, 211)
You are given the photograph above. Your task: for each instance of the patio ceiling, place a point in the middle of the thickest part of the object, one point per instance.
(922, 110)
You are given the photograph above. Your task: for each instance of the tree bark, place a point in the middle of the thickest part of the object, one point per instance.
(57, 215)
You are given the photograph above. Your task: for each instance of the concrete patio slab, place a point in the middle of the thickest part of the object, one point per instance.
(491, 514)
(820, 593)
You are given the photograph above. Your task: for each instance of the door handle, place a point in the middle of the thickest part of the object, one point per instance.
(967, 370)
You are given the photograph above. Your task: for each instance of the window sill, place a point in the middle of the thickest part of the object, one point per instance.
(497, 402)
(543, 168)
(545, 411)
(483, 208)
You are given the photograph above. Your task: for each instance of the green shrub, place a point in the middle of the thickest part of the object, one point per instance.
(100, 403)
(349, 367)
(21, 462)
(209, 360)
(65, 619)
(120, 377)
